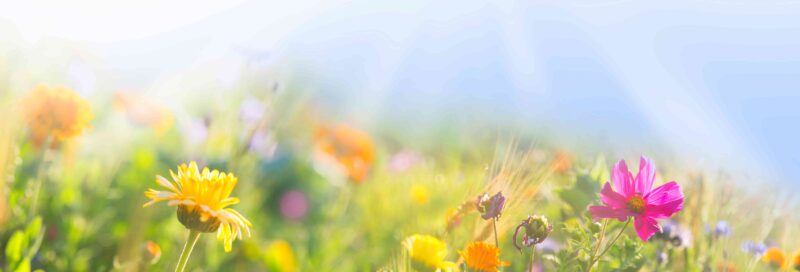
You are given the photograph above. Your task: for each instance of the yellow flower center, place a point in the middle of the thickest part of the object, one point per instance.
(636, 204)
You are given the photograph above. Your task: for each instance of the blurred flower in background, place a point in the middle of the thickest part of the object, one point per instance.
(294, 205)
(144, 111)
(252, 110)
(427, 253)
(152, 252)
(775, 258)
(755, 249)
(419, 193)
(403, 160)
(343, 150)
(280, 257)
(722, 229)
(55, 112)
(562, 161)
(263, 144)
(195, 130)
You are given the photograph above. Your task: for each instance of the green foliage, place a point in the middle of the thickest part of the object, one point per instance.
(23, 246)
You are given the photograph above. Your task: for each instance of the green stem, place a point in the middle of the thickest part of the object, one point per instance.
(187, 250)
(40, 176)
(599, 242)
(496, 239)
(533, 253)
(613, 241)
(610, 244)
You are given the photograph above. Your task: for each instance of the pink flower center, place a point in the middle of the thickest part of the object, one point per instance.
(636, 204)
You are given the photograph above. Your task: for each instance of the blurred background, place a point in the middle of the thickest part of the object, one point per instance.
(715, 83)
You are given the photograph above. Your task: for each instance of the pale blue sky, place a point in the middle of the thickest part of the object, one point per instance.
(715, 82)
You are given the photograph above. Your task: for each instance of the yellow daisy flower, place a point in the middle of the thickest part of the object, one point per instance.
(427, 253)
(482, 257)
(775, 257)
(796, 261)
(56, 112)
(202, 198)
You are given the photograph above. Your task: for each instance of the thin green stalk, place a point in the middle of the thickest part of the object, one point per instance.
(40, 176)
(599, 241)
(494, 225)
(533, 253)
(187, 250)
(610, 244)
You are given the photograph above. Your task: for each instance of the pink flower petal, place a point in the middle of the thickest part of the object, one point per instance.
(646, 177)
(623, 179)
(608, 212)
(664, 210)
(612, 198)
(668, 192)
(645, 226)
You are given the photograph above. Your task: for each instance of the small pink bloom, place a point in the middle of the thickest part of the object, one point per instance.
(635, 197)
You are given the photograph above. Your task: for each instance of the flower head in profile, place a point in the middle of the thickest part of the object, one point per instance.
(635, 197)
(427, 253)
(481, 256)
(348, 151)
(202, 199)
(774, 257)
(57, 112)
(536, 228)
(490, 207)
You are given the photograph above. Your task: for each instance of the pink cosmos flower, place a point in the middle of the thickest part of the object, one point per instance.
(636, 198)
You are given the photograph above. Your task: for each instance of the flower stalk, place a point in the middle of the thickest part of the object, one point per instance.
(191, 240)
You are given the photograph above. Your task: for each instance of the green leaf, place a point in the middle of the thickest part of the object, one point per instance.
(32, 230)
(16, 244)
(24, 266)
(599, 172)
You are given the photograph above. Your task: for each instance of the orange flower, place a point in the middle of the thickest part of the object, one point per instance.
(348, 150)
(152, 252)
(562, 162)
(482, 257)
(56, 112)
(796, 261)
(775, 257)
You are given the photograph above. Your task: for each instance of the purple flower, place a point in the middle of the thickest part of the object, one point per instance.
(490, 207)
(195, 131)
(755, 249)
(263, 144)
(402, 161)
(722, 229)
(251, 110)
(294, 205)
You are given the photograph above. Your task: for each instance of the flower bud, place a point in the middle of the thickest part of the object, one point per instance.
(536, 228)
(595, 227)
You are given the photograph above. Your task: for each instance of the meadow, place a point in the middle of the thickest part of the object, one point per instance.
(117, 181)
